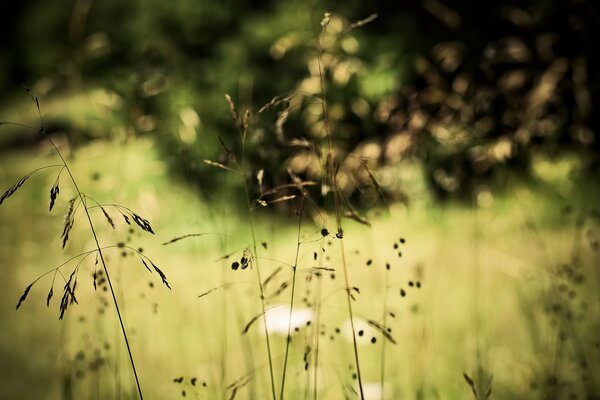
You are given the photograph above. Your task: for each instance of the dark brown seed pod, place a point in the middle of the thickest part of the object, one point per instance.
(24, 295)
(14, 188)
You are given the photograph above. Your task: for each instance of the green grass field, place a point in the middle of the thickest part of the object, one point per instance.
(508, 289)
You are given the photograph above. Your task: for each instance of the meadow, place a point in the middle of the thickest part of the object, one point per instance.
(507, 288)
(391, 226)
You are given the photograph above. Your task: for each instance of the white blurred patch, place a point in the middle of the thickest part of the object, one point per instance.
(374, 391)
(278, 318)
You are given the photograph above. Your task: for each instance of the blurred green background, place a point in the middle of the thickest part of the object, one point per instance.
(476, 120)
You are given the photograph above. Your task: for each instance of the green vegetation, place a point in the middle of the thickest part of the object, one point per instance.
(298, 204)
(492, 296)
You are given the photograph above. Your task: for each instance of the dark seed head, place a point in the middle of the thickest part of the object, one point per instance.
(361, 332)
(373, 340)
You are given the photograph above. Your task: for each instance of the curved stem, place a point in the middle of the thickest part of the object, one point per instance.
(383, 345)
(99, 248)
(362, 396)
(331, 181)
(260, 285)
(289, 330)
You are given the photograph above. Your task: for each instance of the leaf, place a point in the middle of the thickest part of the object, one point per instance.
(249, 324)
(144, 224)
(162, 275)
(108, 218)
(54, 190)
(355, 217)
(24, 295)
(271, 276)
(189, 235)
(468, 379)
(68, 297)
(14, 188)
(363, 163)
(95, 274)
(50, 294)
(281, 120)
(284, 100)
(145, 264)
(216, 164)
(232, 109)
(228, 151)
(382, 329)
(73, 299)
(208, 292)
(68, 221)
(260, 177)
(283, 198)
(299, 142)
(244, 124)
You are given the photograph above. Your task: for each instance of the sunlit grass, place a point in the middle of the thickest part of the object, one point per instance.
(486, 279)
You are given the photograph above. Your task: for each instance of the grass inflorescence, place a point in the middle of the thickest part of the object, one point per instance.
(73, 205)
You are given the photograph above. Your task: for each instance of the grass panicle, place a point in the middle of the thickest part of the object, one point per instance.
(70, 286)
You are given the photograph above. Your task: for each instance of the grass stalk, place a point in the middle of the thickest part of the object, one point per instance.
(82, 198)
(351, 316)
(103, 262)
(331, 179)
(258, 277)
(316, 329)
(384, 344)
(289, 328)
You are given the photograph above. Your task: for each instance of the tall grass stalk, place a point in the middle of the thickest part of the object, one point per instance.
(82, 197)
(300, 213)
(258, 275)
(330, 170)
(103, 262)
(318, 296)
(384, 344)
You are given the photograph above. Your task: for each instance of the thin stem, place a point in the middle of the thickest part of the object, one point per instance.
(317, 327)
(99, 248)
(260, 285)
(289, 330)
(348, 299)
(383, 346)
(17, 124)
(331, 179)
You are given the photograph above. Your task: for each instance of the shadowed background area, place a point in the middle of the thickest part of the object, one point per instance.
(468, 130)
